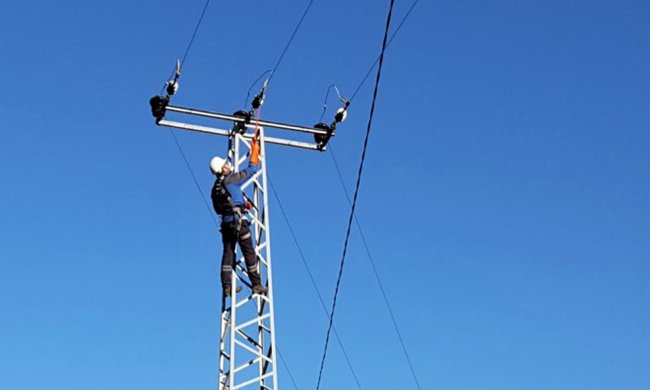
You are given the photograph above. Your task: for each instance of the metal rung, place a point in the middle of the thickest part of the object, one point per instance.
(244, 301)
(259, 378)
(246, 365)
(256, 221)
(248, 338)
(254, 320)
(265, 328)
(247, 347)
(251, 350)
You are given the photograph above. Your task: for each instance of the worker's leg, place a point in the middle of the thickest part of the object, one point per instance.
(229, 239)
(247, 248)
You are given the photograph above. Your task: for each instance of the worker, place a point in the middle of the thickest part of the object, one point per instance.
(229, 202)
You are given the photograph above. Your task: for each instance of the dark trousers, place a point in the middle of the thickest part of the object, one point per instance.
(230, 237)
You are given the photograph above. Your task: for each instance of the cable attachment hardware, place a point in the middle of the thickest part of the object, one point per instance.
(159, 103)
(340, 116)
(171, 86)
(342, 112)
(258, 100)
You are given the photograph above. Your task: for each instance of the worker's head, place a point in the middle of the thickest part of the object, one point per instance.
(219, 165)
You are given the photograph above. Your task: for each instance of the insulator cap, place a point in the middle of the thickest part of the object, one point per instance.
(158, 106)
(341, 114)
(240, 127)
(172, 87)
(258, 101)
(321, 139)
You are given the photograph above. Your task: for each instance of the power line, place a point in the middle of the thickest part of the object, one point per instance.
(293, 35)
(327, 96)
(171, 131)
(356, 221)
(196, 182)
(363, 238)
(286, 366)
(356, 190)
(257, 80)
(399, 26)
(313, 282)
(196, 29)
(374, 269)
(191, 42)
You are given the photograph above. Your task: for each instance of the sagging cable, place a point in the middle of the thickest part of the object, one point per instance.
(254, 83)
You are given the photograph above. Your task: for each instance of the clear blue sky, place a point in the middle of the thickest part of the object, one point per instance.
(505, 198)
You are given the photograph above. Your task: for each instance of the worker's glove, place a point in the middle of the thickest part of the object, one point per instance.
(255, 152)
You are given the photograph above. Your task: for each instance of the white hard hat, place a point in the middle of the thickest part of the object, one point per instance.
(216, 164)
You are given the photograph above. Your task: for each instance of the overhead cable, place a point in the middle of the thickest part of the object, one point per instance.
(293, 35)
(374, 269)
(196, 182)
(356, 221)
(356, 191)
(313, 282)
(286, 366)
(338, 93)
(399, 26)
(196, 30)
(191, 42)
(257, 80)
(171, 131)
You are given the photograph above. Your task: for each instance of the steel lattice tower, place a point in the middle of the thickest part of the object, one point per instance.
(247, 348)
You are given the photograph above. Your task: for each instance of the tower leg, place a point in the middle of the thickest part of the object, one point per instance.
(247, 345)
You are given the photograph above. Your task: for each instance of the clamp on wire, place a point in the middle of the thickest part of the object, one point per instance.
(171, 86)
(239, 127)
(258, 100)
(159, 103)
(340, 116)
(256, 104)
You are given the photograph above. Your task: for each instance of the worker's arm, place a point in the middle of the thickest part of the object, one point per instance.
(253, 166)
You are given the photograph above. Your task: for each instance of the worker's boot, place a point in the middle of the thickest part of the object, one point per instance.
(259, 289)
(227, 290)
(256, 280)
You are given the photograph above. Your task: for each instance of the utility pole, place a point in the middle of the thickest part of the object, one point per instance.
(247, 348)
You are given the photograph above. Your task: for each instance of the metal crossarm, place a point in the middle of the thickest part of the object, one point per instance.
(254, 122)
(247, 123)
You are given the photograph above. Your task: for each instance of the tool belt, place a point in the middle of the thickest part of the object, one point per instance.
(237, 217)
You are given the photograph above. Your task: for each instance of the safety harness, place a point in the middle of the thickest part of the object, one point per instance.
(223, 203)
